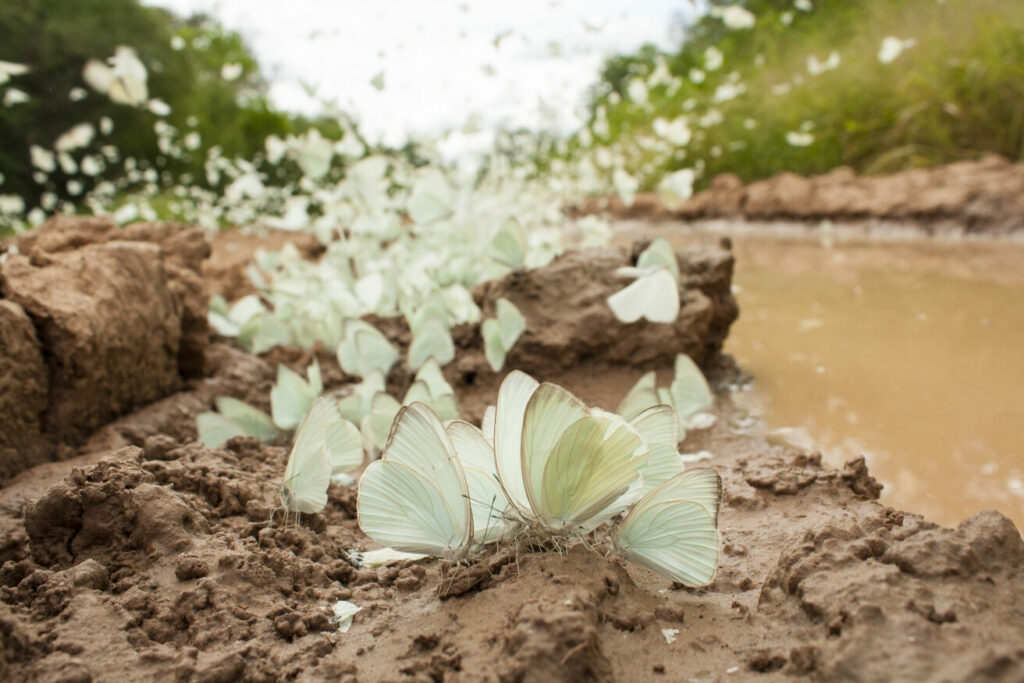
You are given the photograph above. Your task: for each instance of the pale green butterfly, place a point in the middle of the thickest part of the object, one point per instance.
(233, 418)
(292, 396)
(653, 296)
(673, 530)
(560, 464)
(415, 498)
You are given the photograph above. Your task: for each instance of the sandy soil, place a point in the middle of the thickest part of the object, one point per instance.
(146, 556)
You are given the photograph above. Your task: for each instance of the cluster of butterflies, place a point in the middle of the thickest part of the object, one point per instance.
(541, 464)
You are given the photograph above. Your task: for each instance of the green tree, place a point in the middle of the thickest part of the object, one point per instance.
(55, 39)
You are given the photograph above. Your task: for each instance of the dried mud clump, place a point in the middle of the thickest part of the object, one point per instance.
(101, 510)
(23, 392)
(980, 196)
(974, 196)
(869, 591)
(117, 316)
(568, 320)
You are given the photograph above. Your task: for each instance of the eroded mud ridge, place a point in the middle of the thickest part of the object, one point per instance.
(95, 321)
(150, 557)
(985, 196)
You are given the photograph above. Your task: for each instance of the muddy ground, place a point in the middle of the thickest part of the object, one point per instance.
(983, 197)
(131, 552)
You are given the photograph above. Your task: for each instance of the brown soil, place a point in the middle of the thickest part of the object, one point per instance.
(149, 556)
(97, 322)
(985, 196)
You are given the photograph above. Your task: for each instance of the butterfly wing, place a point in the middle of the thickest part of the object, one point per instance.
(214, 429)
(659, 428)
(290, 398)
(402, 509)
(672, 532)
(701, 485)
(511, 322)
(509, 244)
(376, 425)
(416, 498)
(494, 348)
(308, 472)
(487, 499)
(594, 463)
(659, 253)
(642, 396)
(432, 340)
(374, 351)
(689, 390)
(513, 397)
(675, 538)
(487, 425)
(549, 413)
(253, 420)
(654, 296)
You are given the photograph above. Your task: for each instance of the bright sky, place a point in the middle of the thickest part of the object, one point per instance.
(520, 63)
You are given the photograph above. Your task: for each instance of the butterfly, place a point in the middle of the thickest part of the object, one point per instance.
(415, 498)
(364, 349)
(561, 465)
(501, 332)
(325, 445)
(654, 296)
(673, 530)
(233, 418)
(292, 396)
(688, 394)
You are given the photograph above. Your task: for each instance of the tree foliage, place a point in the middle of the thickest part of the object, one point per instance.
(55, 39)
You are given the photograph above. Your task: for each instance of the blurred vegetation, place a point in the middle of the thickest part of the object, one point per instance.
(957, 93)
(55, 39)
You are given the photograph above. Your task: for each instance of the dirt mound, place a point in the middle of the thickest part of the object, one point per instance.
(985, 196)
(117, 317)
(568, 318)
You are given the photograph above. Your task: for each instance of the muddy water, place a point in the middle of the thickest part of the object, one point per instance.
(907, 351)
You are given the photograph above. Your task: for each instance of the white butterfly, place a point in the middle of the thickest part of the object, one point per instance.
(487, 499)
(659, 428)
(501, 332)
(653, 296)
(659, 253)
(689, 395)
(431, 198)
(325, 445)
(364, 349)
(123, 81)
(429, 387)
(415, 498)
(233, 418)
(561, 465)
(292, 396)
(673, 530)
(356, 405)
(508, 246)
(433, 339)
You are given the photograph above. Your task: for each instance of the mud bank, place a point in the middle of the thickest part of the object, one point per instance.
(150, 556)
(969, 197)
(97, 321)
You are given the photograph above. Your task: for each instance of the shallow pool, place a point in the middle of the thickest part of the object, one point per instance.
(906, 350)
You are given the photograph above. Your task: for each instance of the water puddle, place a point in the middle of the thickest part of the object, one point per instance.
(909, 352)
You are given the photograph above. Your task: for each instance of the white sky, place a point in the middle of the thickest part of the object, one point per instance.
(433, 54)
